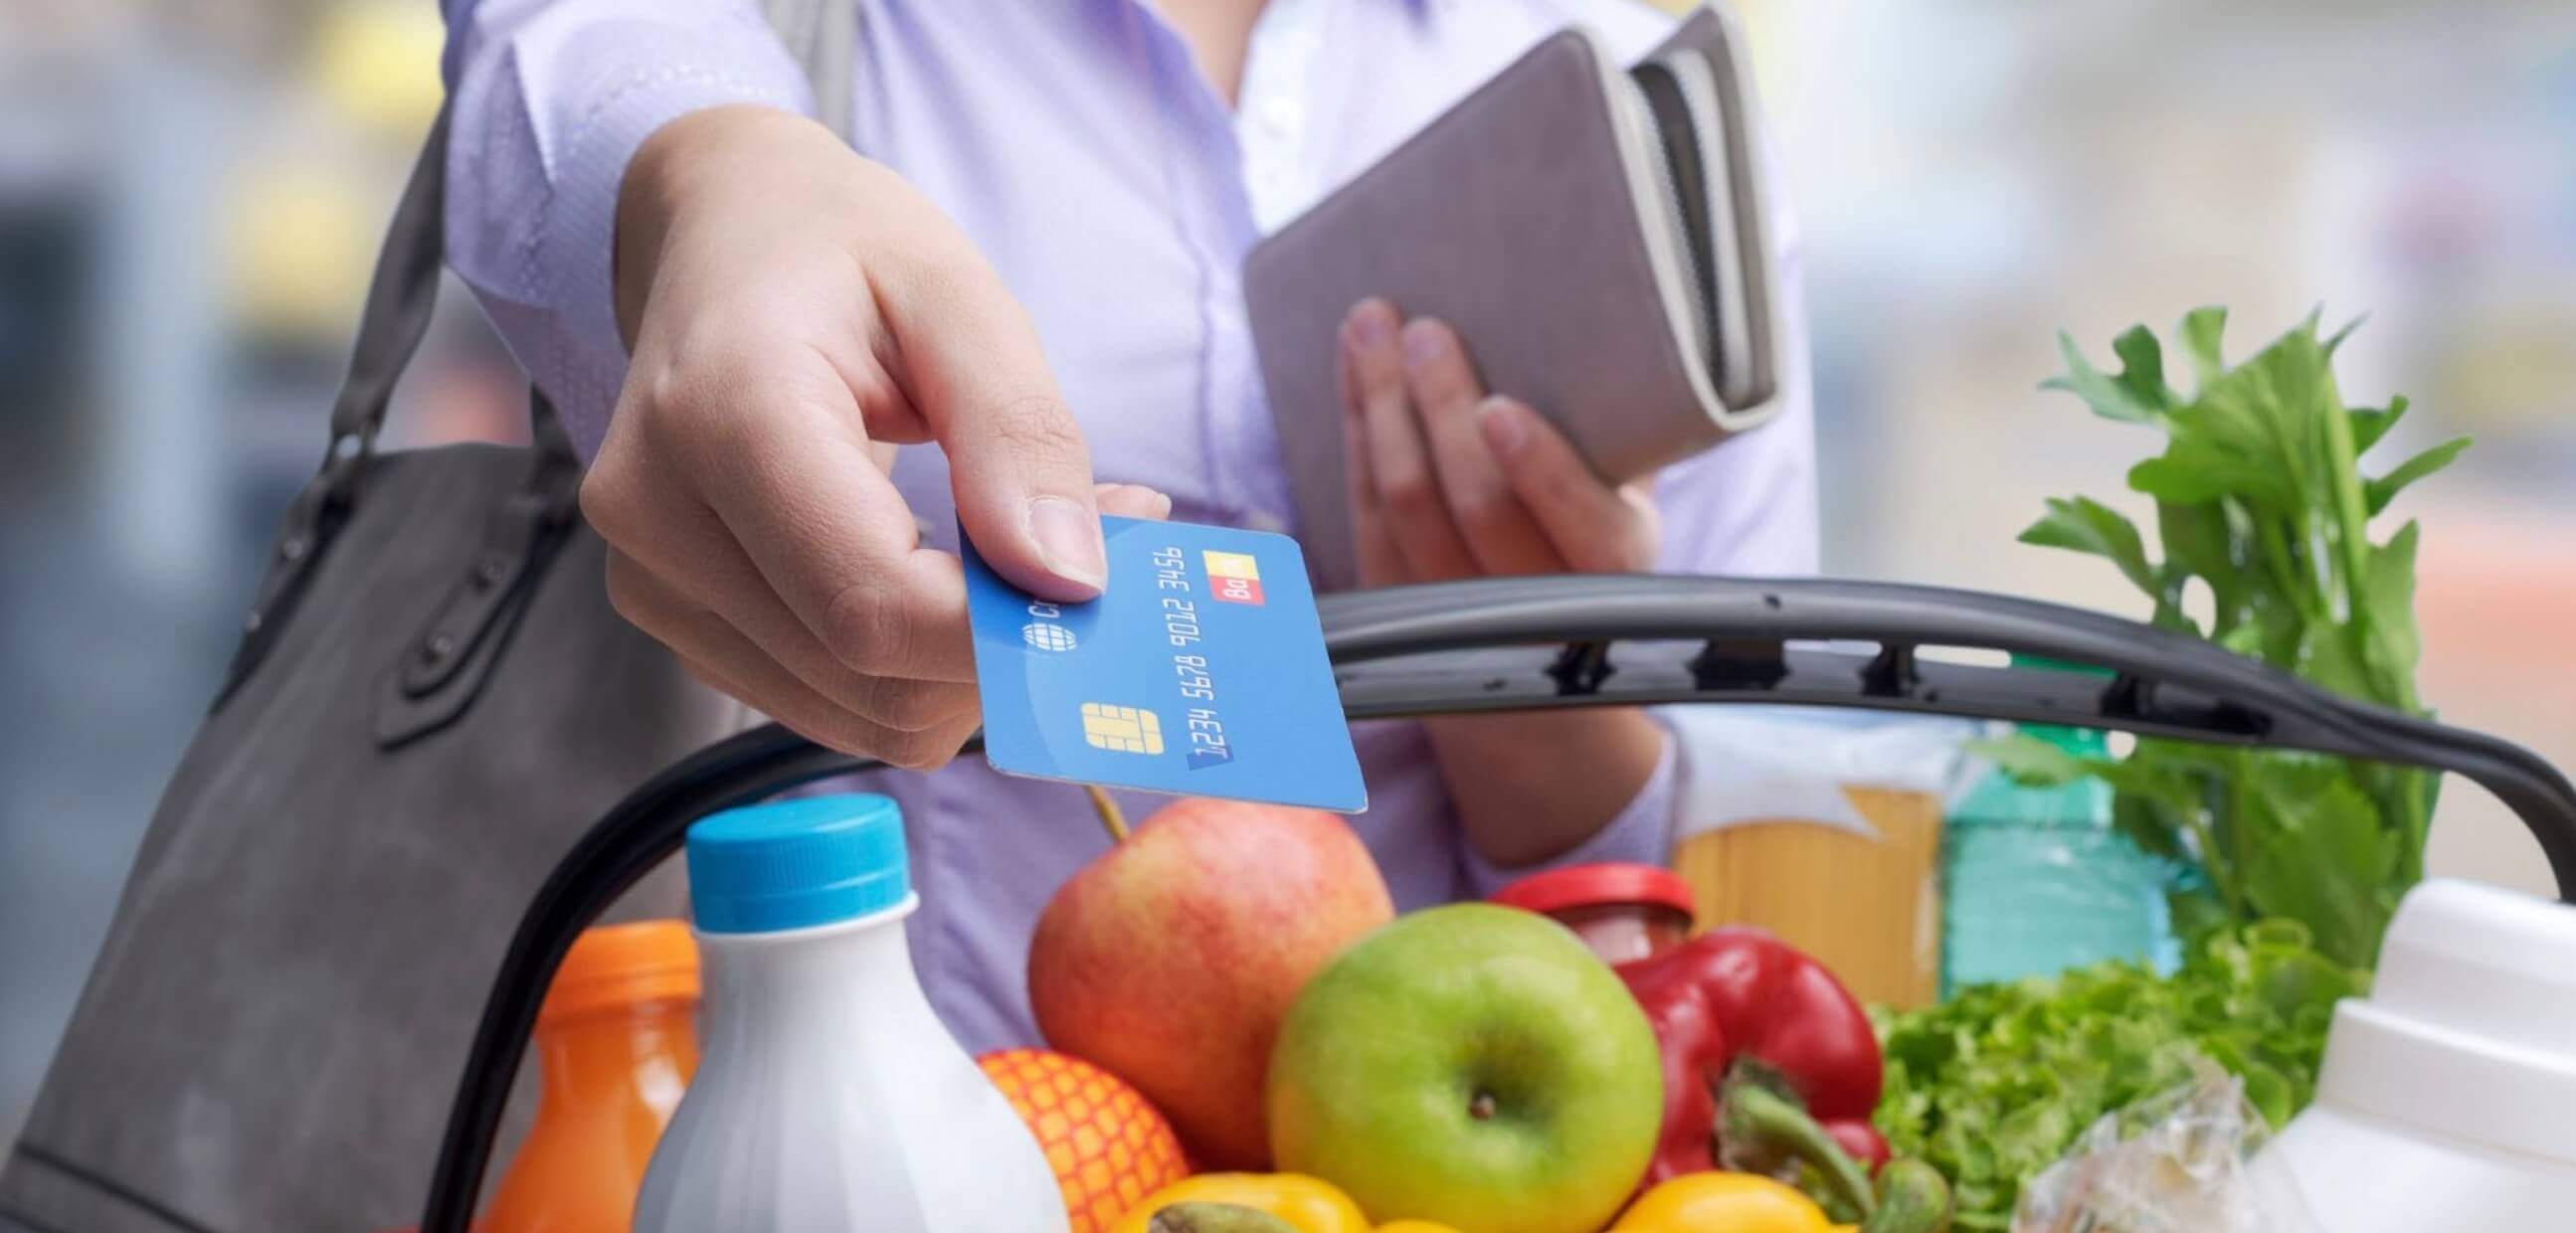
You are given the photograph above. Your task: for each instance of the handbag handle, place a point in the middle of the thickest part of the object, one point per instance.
(1612, 640)
(402, 296)
(401, 299)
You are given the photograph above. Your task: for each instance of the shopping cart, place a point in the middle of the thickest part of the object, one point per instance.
(1542, 643)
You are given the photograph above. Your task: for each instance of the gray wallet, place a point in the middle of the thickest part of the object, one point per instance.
(1598, 238)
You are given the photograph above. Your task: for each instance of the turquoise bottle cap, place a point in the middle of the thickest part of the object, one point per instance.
(796, 864)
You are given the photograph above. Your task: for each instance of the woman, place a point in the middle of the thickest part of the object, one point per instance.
(1031, 261)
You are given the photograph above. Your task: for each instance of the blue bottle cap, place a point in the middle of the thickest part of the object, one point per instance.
(797, 863)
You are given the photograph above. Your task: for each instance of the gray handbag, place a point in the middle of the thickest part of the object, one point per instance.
(431, 700)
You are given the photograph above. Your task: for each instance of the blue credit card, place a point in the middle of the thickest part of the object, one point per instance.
(1200, 671)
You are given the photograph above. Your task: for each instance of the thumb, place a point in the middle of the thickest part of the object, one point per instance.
(1020, 471)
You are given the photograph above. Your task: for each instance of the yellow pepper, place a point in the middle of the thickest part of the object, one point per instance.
(1414, 1226)
(1310, 1204)
(1725, 1203)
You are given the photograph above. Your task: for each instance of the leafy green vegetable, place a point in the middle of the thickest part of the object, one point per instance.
(2261, 500)
(1993, 1085)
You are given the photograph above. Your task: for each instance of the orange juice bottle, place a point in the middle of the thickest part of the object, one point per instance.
(616, 1043)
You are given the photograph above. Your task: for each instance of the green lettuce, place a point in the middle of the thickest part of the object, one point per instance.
(1992, 1086)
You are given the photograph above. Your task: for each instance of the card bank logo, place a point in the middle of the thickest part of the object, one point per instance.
(1233, 577)
(1044, 634)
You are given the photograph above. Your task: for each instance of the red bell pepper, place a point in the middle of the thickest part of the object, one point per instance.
(1740, 993)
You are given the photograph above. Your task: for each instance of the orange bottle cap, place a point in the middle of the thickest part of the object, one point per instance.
(622, 965)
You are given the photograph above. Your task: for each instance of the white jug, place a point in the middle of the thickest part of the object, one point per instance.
(828, 1098)
(2448, 1096)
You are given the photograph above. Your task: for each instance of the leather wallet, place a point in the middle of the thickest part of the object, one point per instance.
(1597, 237)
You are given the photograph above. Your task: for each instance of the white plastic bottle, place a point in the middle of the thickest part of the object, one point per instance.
(2448, 1096)
(828, 1098)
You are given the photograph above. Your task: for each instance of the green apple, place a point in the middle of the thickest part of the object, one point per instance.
(1472, 1065)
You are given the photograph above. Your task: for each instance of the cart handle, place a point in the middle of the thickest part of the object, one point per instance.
(1535, 643)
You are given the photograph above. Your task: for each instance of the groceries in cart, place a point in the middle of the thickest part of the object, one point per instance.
(1903, 974)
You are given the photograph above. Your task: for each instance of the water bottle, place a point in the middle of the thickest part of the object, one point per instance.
(2035, 880)
(828, 1097)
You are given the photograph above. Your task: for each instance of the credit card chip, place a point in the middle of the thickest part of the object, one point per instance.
(1123, 729)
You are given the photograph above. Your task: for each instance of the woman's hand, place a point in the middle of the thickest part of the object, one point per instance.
(1446, 483)
(793, 309)
(1449, 483)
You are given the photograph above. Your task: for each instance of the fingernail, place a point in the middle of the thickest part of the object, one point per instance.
(1162, 501)
(1505, 433)
(1068, 538)
(1421, 342)
(1369, 324)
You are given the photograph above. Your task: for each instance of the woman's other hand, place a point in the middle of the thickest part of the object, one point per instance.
(1445, 483)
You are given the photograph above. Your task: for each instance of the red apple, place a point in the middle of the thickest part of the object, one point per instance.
(1172, 959)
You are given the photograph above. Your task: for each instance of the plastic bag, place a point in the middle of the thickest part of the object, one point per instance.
(2171, 1163)
(1756, 764)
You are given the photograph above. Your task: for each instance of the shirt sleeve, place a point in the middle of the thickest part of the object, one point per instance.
(549, 99)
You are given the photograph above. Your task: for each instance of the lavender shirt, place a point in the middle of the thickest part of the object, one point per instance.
(1116, 193)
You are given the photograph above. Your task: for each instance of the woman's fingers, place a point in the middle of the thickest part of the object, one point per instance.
(833, 539)
(1497, 528)
(970, 357)
(1373, 548)
(744, 642)
(925, 721)
(1448, 483)
(669, 607)
(1407, 488)
(1595, 527)
(1133, 501)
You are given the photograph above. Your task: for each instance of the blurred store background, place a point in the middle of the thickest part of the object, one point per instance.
(190, 193)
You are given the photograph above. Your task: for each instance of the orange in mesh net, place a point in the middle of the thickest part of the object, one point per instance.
(1109, 1148)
